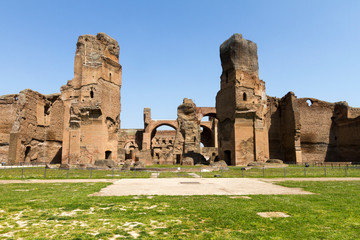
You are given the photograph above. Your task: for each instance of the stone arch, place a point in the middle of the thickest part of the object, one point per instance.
(162, 145)
(205, 111)
(130, 144)
(155, 124)
(207, 136)
(210, 134)
(153, 132)
(130, 149)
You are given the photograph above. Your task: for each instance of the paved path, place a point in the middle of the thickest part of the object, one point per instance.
(199, 186)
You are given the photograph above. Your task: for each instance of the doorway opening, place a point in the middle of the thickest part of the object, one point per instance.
(108, 155)
(178, 158)
(227, 157)
(27, 150)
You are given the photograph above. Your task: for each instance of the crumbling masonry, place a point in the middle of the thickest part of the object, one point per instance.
(81, 126)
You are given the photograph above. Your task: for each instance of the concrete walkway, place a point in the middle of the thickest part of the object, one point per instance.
(198, 186)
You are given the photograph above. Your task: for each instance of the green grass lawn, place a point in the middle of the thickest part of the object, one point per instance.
(237, 172)
(174, 175)
(65, 211)
(39, 173)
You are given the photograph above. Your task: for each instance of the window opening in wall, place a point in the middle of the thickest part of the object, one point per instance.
(91, 93)
(15, 98)
(309, 102)
(110, 76)
(244, 97)
(107, 154)
(27, 150)
(178, 157)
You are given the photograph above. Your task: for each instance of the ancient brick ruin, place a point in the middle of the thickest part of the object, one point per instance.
(81, 126)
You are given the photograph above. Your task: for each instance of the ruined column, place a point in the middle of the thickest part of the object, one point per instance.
(92, 102)
(147, 134)
(187, 140)
(290, 129)
(241, 104)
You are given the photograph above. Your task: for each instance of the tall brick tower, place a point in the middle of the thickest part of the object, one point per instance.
(92, 102)
(241, 104)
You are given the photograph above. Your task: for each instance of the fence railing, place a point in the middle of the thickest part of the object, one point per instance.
(202, 172)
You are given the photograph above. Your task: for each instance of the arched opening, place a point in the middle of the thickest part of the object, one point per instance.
(162, 142)
(207, 138)
(15, 98)
(109, 76)
(244, 97)
(91, 93)
(209, 129)
(205, 119)
(107, 154)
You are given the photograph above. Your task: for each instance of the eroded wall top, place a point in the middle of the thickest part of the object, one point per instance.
(239, 53)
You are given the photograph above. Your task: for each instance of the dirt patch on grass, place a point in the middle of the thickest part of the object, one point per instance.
(272, 214)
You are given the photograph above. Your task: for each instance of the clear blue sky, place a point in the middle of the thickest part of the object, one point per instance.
(170, 49)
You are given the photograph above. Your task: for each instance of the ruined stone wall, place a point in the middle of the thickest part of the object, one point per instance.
(92, 102)
(347, 129)
(290, 129)
(309, 130)
(274, 122)
(162, 145)
(187, 140)
(129, 139)
(353, 112)
(210, 154)
(36, 133)
(348, 140)
(318, 142)
(8, 106)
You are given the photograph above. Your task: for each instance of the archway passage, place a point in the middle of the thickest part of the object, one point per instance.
(209, 128)
(162, 142)
(207, 138)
